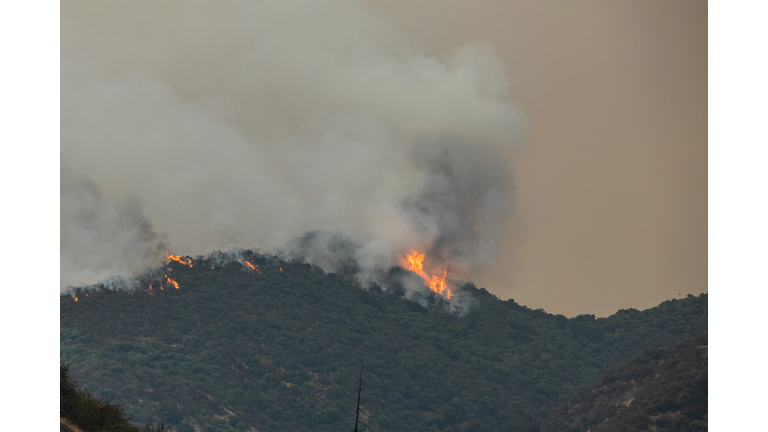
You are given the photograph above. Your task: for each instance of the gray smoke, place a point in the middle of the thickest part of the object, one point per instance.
(244, 124)
(331, 252)
(335, 253)
(100, 239)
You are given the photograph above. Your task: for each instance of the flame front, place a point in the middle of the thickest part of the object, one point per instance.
(415, 263)
(252, 267)
(437, 284)
(172, 282)
(179, 259)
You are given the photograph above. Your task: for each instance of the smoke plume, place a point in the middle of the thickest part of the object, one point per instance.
(466, 193)
(101, 240)
(248, 123)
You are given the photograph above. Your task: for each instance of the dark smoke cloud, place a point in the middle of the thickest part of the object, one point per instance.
(244, 124)
(466, 194)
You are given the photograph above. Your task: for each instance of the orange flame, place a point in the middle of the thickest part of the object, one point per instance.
(252, 266)
(415, 263)
(179, 259)
(172, 282)
(437, 284)
(75, 298)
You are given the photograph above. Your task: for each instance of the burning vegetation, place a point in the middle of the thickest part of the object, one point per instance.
(186, 260)
(155, 282)
(172, 282)
(251, 266)
(161, 280)
(415, 262)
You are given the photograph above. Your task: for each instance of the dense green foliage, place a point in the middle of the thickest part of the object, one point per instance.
(92, 413)
(662, 390)
(280, 349)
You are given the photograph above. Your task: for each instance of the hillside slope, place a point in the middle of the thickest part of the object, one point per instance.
(278, 347)
(660, 390)
(80, 410)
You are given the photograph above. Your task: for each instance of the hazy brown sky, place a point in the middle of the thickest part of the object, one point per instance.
(243, 125)
(611, 206)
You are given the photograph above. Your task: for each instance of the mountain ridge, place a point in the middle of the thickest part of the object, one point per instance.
(273, 347)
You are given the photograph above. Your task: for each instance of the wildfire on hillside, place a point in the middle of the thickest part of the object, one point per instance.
(415, 262)
(179, 259)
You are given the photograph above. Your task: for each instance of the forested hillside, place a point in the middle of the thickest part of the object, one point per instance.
(256, 343)
(81, 410)
(663, 390)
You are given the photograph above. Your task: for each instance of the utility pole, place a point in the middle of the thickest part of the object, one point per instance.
(359, 391)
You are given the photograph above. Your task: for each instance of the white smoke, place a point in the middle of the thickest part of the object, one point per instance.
(246, 123)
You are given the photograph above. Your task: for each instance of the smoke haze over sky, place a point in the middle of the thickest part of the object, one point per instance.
(611, 182)
(248, 123)
(551, 152)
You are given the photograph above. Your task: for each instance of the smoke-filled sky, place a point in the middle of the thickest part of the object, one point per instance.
(552, 152)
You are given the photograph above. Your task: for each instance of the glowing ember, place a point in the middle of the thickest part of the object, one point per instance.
(172, 282)
(75, 298)
(179, 259)
(415, 263)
